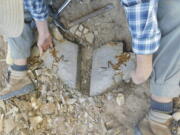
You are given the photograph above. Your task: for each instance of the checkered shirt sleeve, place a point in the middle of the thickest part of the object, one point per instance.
(37, 8)
(143, 25)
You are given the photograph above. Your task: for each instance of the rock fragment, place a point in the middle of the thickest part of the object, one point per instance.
(38, 72)
(71, 101)
(56, 34)
(73, 29)
(90, 37)
(2, 105)
(120, 99)
(81, 28)
(85, 31)
(176, 116)
(35, 51)
(78, 33)
(35, 103)
(44, 89)
(35, 121)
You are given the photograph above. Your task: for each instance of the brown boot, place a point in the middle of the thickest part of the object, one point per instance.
(18, 84)
(157, 123)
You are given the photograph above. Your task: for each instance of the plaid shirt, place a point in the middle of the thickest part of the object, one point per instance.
(37, 8)
(143, 25)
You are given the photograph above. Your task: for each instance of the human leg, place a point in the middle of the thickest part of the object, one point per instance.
(164, 83)
(19, 82)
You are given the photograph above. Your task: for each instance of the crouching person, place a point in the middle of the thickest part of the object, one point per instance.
(16, 26)
(155, 30)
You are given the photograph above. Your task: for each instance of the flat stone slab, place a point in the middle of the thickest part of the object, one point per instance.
(66, 66)
(106, 71)
(102, 74)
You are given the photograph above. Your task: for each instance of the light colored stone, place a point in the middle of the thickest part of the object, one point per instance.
(35, 51)
(38, 72)
(2, 105)
(67, 66)
(90, 37)
(81, 28)
(78, 33)
(85, 31)
(176, 116)
(35, 103)
(50, 99)
(56, 34)
(44, 89)
(71, 101)
(120, 100)
(102, 74)
(73, 29)
(34, 121)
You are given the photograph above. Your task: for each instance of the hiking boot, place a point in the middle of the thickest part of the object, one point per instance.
(157, 123)
(18, 84)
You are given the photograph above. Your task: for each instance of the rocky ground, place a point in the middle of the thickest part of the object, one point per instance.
(63, 107)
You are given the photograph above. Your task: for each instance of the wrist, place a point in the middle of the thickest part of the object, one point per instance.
(143, 68)
(42, 28)
(143, 63)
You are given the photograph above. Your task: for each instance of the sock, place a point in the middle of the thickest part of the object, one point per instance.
(19, 67)
(162, 107)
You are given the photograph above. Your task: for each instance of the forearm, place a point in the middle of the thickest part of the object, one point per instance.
(143, 25)
(44, 36)
(42, 27)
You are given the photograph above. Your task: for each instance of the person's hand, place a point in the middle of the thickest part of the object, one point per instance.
(143, 69)
(44, 37)
(44, 42)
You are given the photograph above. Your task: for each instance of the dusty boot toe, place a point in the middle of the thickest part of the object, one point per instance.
(19, 84)
(25, 90)
(156, 123)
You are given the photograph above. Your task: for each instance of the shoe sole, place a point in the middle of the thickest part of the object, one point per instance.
(25, 90)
